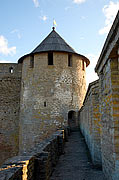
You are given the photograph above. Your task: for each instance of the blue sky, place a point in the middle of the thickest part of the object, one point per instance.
(84, 24)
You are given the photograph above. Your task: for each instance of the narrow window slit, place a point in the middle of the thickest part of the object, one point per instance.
(11, 70)
(83, 65)
(44, 104)
(50, 58)
(32, 61)
(69, 60)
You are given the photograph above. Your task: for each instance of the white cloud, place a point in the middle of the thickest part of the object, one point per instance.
(81, 37)
(17, 32)
(4, 49)
(19, 36)
(79, 1)
(36, 3)
(44, 18)
(14, 31)
(90, 72)
(83, 17)
(110, 12)
(67, 8)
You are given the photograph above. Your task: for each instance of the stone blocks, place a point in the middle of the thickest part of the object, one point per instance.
(38, 163)
(89, 122)
(10, 86)
(48, 93)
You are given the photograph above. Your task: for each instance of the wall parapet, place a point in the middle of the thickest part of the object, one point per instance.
(39, 162)
(89, 122)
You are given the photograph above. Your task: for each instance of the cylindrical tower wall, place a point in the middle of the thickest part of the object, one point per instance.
(48, 93)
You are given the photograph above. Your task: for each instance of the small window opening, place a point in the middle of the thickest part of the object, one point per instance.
(11, 70)
(50, 58)
(44, 104)
(31, 61)
(83, 65)
(70, 60)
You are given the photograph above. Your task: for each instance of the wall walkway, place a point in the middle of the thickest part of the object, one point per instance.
(76, 163)
(43, 164)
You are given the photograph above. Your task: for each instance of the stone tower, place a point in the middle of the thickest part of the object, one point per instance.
(52, 90)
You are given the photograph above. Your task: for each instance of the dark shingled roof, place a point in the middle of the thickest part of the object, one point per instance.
(53, 42)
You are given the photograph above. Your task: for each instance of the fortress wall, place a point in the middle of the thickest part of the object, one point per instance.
(48, 93)
(89, 122)
(10, 81)
(115, 99)
(39, 163)
(108, 70)
(109, 104)
(106, 110)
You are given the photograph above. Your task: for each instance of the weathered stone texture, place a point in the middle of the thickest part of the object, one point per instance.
(106, 119)
(89, 122)
(10, 82)
(39, 162)
(108, 71)
(60, 87)
(109, 104)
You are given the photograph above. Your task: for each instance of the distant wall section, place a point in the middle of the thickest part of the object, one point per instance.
(10, 83)
(90, 123)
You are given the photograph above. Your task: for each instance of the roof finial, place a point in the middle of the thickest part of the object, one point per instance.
(54, 24)
(53, 28)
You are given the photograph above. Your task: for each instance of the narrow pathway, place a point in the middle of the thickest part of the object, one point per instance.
(75, 164)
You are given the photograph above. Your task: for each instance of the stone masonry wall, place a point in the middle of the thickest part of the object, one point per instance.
(89, 122)
(48, 93)
(108, 71)
(10, 82)
(115, 98)
(39, 162)
(109, 107)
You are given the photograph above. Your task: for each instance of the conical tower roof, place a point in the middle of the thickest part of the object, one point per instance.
(55, 43)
